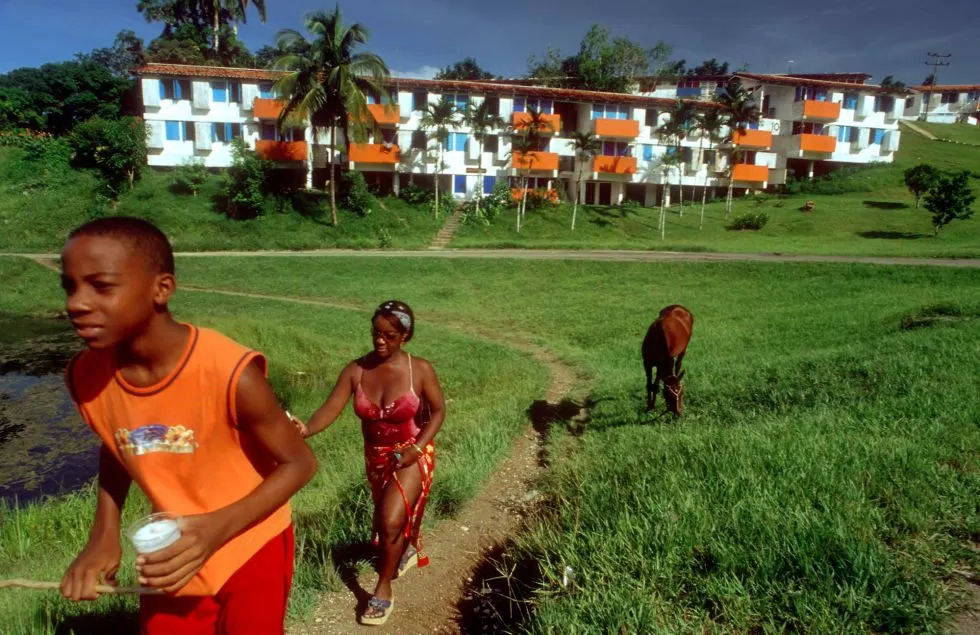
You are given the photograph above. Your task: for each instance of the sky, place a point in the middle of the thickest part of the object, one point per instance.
(417, 37)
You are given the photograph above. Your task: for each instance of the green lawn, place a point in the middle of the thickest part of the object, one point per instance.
(874, 215)
(39, 206)
(953, 131)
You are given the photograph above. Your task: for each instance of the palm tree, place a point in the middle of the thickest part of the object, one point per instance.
(481, 120)
(668, 162)
(327, 83)
(523, 147)
(439, 117)
(676, 129)
(709, 124)
(531, 130)
(236, 9)
(586, 146)
(739, 111)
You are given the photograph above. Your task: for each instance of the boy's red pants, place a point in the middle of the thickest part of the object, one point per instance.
(252, 601)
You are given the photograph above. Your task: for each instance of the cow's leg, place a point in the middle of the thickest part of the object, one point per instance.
(648, 367)
(652, 393)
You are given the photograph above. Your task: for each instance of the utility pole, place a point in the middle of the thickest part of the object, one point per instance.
(938, 59)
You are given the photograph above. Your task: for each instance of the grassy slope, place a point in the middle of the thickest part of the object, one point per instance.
(880, 219)
(823, 479)
(488, 387)
(955, 132)
(37, 212)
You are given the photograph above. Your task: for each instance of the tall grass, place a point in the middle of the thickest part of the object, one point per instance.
(824, 477)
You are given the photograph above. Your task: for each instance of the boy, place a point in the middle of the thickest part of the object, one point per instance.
(188, 414)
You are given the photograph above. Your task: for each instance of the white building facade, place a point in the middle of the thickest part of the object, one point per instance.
(193, 113)
(944, 104)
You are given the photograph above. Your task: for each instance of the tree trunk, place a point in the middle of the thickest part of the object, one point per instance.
(936, 235)
(479, 181)
(728, 197)
(680, 186)
(917, 199)
(333, 177)
(131, 175)
(578, 194)
(704, 198)
(438, 174)
(217, 25)
(309, 160)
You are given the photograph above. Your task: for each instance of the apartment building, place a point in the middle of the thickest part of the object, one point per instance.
(944, 104)
(809, 125)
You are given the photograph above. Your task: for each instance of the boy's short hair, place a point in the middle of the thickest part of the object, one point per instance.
(142, 236)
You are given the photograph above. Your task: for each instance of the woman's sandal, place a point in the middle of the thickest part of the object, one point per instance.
(409, 559)
(381, 610)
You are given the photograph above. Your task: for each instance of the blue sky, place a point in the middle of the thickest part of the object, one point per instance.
(417, 36)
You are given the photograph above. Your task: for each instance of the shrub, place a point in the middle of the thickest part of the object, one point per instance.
(491, 205)
(415, 195)
(753, 221)
(355, 196)
(115, 148)
(385, 240)
(190, 176)
(840, 181)
(246, 178)
(629, 203)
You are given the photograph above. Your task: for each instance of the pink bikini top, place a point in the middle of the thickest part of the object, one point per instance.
(391, 424)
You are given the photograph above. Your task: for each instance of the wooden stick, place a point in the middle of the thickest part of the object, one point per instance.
(102, 589)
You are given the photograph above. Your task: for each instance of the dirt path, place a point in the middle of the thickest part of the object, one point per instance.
(602, 255)
(426, 600)
(918, 130)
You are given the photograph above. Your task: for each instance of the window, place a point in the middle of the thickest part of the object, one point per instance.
(265, 90)
(456, 142)
(544, 144)
(615, 148)
(226, 132)
(226, 92)
(973, 95)
(388, 135)
(950, 98)
(491, 143)
(708, 157)
(844, 134)
(267, 132)
(175, 89)
(811, 93)
(884, 103)
(493, 105)
(459, 184)
(461, 100)
(647, 152)
(189, 134)
(800, 127)
(419, 100)
(610, 111)
(543, 106)
(877, 136)
(488, 183)
(851, 101)
(651, 117)
(671, 150)
(909, 102)
(173, 130)
(419, 140)
(689, 88)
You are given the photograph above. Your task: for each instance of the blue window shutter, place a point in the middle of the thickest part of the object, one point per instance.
(488, 183)
(647, 152)
(173, 131)
(597, 111)
(163, 88)
(228, 136)
(459, 185)
(754, 125)
(219, 92)
(520, 104)
(879, 136)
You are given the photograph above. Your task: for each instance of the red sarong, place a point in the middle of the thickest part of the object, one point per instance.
(380, 463)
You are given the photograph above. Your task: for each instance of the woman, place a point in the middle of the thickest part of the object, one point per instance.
(389, 388)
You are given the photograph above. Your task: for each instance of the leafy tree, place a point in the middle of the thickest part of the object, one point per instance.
(439, 118)
(115, 148)
(930, 80)
(327, 82)
(586, 146)
(266, 56)
(190, 175)
(675, 130)
(709, 67)
(950, 198)
(246, 180)
(740, 110)
(920, 180)
(889, 81)
(709, 124)
(192, 36)
(56, 97)
(125, 54)
(525, 144)
(466, 69)
(357, 197)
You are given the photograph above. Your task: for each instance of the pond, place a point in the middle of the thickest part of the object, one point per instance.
(45, 447)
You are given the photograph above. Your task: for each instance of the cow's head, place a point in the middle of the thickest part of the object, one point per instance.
(674, 393)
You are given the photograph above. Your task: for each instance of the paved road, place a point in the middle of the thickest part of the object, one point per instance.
(606, 255)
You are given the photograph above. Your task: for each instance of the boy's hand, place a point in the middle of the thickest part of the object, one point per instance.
(98, 558)
(171, 568)
(303, 430)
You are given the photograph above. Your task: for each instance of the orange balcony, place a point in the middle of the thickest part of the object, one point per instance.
(753, 139)
(614, 165)
(374, 153)
(267, 108)
(384, 114)
(281, 150)
(623, 128)
(823, 144)
(750, 173)
(551, 124)
(826, 110)
(535, 161)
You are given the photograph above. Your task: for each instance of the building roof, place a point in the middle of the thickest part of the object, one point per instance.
(795, 80)
(439, 85)
(948, 88)
(851, 78)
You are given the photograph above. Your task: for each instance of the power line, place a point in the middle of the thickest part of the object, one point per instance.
(938, 59)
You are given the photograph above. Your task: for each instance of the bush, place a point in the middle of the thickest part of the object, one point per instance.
(753, 221)
(415, 195)
(246, 179)
(189, 176)
(52, 153)
(629, 203)
(115, 148)
(355, 196)
(491, 205)
(840, 181)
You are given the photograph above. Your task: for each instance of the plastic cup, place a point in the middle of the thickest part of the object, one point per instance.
(154, 532)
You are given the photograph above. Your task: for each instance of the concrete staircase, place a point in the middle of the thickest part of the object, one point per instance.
(448, 229)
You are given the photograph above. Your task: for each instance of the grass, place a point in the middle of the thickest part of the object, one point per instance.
(961, 132)
(824, 478)
(39, 205)
(869, 212)
(488, 387)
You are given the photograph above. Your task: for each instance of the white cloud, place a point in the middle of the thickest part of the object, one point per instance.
(422, 72)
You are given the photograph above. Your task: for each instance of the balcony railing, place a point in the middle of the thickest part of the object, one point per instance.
(823, 144)
(374, 153)
(281, 150)
(385, 114)
(535, 161)
(761, 139)
(266, 108)
(813, 110)
(614, 165)
(746, 173)
(617, 128)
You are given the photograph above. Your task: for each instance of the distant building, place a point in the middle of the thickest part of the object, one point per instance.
(958, 103)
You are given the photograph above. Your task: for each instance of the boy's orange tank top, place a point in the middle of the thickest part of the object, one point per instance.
(179, 440)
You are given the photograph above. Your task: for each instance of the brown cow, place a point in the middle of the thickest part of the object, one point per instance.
(664, 347)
